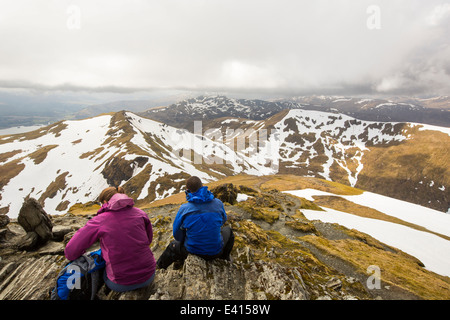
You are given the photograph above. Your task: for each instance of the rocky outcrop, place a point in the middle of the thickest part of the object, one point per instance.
(224, 280)
(271, 259)
(32, 278)
(30, 275)
(227, 193)
(4, 220)
(29, 278)
(32, 217)
(35, 221)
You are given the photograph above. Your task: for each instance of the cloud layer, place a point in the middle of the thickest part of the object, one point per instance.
(321, 46)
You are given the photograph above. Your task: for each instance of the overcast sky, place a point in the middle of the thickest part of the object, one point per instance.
(346, 47)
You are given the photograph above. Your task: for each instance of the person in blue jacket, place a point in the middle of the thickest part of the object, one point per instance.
(199, 228)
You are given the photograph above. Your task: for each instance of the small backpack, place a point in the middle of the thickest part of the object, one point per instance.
(80, 279)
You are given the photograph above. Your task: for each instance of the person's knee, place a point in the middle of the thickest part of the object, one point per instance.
(227, 235)
(175, 251)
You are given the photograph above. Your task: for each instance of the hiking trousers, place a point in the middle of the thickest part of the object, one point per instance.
(177, 252)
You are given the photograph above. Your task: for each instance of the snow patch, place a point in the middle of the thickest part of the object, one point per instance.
(423, 127)
(429, 248)
(242, 197)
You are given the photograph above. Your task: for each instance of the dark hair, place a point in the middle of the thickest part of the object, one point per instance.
(107, 193)
(193, 184)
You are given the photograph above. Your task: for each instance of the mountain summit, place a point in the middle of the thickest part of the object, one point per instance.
(70, 162)
(285, 249)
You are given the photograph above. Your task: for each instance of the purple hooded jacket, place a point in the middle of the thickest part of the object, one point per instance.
(125, 234)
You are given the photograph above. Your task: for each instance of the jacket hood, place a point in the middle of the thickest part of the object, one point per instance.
(117, 202)
(200, 196)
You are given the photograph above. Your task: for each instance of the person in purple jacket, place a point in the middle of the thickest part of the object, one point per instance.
(125, 235)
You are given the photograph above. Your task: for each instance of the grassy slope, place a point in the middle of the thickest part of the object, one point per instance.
(413, 170)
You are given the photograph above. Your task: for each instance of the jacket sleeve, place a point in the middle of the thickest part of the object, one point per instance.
(82, 239)
(178, 232)
(224, 213)
(148, 228)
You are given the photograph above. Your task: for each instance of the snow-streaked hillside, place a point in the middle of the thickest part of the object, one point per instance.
(185, 112)
(403, 160)
(433, 111)
(336, 135)
(58, 154)
(431, 249)
(72, 161)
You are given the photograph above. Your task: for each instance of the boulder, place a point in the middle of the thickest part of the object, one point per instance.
(224, 280)
(34, 219)
(227, 193)
(59, 232)
(4, 220)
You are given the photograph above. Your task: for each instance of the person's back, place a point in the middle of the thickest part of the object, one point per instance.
(198, 227)
(125, 234)
(200, 221)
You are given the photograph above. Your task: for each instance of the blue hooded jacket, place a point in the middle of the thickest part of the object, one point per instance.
(198, 223)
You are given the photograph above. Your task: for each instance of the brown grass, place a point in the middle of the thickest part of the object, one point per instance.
(397, 170)
(178, 198)
(39, 155)
(6, 155)
(91, 154)
(57, 127)
(84, 209)
(278, 182)
(396, 267)
(9, 171)
(27, 135)
(58, 184)
(345, 205)
(62, 206)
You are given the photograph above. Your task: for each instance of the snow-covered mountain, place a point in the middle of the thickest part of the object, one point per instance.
(403, 160)
(182, 114)
(434, 111)
(72, 161)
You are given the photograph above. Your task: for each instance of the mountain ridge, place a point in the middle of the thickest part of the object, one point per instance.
(184, 112)
(74, 160)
